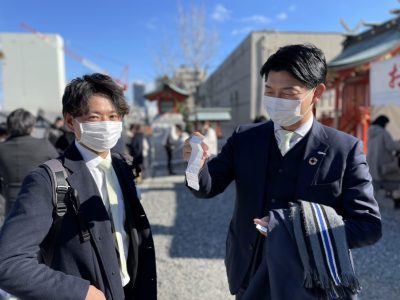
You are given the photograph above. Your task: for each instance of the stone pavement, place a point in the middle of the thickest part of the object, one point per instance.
(190, 237)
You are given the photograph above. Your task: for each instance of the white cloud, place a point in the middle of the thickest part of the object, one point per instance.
(221, 13)
(258, 19)
(240, 31)
(282, 16)
(292, 7)
(152, 24)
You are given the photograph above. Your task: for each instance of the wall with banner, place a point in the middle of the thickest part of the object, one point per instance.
(385, 92)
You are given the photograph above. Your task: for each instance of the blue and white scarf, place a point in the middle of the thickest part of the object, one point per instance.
(321, 242)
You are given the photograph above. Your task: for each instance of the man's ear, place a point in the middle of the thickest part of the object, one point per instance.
(319, 90)
(69, 121)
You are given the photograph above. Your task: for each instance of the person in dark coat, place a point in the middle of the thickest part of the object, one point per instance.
(289, 158)
(55, 130)
(117, 261)
(136, 145)
(382, 158)
(21, 153)
(3, 137)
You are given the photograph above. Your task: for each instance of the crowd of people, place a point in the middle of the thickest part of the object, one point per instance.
(17, 158)
(76, 229)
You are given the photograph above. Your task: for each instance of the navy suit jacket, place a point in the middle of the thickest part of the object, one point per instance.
(340, 178)
(75, 264)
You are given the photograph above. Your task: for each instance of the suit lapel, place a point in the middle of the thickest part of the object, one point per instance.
(125, 179)
(261, 159)
(92, 208)
(315, 152)
(81, 180)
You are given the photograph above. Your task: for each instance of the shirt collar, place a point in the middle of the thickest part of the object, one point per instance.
(91, 159)
(302, 130)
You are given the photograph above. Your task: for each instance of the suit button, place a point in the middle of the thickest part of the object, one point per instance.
(280, 171)
(99, 238)
(250, 247)
(273, 200)
(112, 273)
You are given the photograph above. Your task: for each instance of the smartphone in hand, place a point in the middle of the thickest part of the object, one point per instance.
(262, 228)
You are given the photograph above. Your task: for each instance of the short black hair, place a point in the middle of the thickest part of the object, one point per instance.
(20, 122)
(78, 92)
(135, 126)
(382, 121)
(260, 119)
(305, 62)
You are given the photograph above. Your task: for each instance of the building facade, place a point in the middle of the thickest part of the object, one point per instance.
(33, 72)
(236, 83)
(138, 94)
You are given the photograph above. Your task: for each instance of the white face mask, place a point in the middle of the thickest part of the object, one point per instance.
(285, 112)
(100, 136)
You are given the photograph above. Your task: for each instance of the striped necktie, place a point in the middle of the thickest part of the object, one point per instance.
(284, 140)
(117, 224)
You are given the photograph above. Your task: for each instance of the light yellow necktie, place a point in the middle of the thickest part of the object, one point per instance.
(284, 143)
(111, 181)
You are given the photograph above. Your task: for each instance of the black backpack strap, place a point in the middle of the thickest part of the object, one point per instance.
(61, 187)
(62, 193)
(60, 196)
(84, 230)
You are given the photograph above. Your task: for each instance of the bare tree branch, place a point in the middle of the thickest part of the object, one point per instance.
(197, 44)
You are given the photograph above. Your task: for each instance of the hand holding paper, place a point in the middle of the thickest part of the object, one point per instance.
(195, 161)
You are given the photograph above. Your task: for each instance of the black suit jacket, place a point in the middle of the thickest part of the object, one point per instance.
(340, 178)
(18, 157)
(75, 264)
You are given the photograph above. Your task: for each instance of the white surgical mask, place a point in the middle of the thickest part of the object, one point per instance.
(285, 112)
(100, 136)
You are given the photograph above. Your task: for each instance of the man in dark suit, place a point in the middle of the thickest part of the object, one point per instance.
(21, 153)
(289, 158)
(118, 260)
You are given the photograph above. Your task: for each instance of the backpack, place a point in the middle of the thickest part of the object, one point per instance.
(63, 196)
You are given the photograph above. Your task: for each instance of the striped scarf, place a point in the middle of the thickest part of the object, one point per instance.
(323, 249)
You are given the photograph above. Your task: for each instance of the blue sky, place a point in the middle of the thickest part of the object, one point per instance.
(114, 33)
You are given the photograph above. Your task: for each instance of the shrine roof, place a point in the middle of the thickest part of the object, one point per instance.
(367, 46)
(166, 88)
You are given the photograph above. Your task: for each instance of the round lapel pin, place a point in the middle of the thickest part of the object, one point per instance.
(312, 161)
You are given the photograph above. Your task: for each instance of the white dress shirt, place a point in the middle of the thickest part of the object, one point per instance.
(298, 134)
(92, 160)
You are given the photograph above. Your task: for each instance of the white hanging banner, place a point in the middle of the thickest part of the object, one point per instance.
(385, 82)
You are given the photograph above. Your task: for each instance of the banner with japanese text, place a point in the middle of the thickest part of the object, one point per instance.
(385, 82)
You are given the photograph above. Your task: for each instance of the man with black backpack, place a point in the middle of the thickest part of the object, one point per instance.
(78, 230)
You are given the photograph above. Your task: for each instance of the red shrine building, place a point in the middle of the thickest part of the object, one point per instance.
(351, 77)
